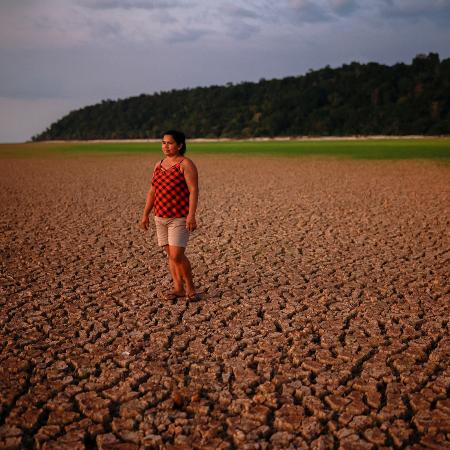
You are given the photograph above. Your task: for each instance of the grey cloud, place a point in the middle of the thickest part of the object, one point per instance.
(308, 11)
(434, 10)
(11, 5)
(242, 22)
(240, 12)
(186, 36)
(131, 4)
(244, 30)
(35, 74)
(252, 9)
(258, 12)
(106, 30)
(437, 11)
(344, 7)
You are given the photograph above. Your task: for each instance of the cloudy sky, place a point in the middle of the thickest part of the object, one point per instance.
(59, 55)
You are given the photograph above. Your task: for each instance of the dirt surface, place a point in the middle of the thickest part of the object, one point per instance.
(323, 321)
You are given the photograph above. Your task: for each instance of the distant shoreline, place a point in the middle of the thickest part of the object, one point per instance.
(256, 139)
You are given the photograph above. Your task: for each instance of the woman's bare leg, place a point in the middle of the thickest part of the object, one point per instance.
(182, 268)
(175, 273)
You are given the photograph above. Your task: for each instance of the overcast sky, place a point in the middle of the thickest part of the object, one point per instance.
(59, 55)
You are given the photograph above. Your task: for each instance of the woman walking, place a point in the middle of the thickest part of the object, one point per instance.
(173, 196)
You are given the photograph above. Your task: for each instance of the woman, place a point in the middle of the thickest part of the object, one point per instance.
(173, 195)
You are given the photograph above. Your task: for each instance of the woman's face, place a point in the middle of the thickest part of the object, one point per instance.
(169, 146)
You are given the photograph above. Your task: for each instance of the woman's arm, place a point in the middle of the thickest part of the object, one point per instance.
(191, 177)
(150, 200)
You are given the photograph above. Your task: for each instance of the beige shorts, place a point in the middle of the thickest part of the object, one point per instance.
(172, 231)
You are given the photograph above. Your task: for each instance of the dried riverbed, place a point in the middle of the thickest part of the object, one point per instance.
(323, 321)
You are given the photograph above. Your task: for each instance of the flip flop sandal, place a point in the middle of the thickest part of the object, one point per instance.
(172, 296)
(193, 298)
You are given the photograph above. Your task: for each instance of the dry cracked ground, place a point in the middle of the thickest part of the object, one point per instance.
(323, 321)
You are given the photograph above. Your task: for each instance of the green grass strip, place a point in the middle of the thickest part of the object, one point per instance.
(356, 149)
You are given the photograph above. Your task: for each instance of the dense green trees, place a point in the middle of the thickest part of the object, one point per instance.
(353, 99)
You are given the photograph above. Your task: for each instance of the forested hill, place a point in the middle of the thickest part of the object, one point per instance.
(353, 99)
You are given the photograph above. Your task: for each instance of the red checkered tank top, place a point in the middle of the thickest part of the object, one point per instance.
(171, 192)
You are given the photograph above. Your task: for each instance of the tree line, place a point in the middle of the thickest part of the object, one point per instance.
(354, 99)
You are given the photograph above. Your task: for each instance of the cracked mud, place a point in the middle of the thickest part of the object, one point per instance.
(323, 321)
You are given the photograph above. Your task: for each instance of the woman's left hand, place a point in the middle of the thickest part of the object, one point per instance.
(191, 224)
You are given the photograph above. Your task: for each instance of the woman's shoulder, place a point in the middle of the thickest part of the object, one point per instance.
(188, 168)
(186, 162)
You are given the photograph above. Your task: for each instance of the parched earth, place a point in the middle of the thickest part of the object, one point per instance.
(323, 321)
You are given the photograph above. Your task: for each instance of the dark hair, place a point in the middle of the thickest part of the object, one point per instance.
(179, 138)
